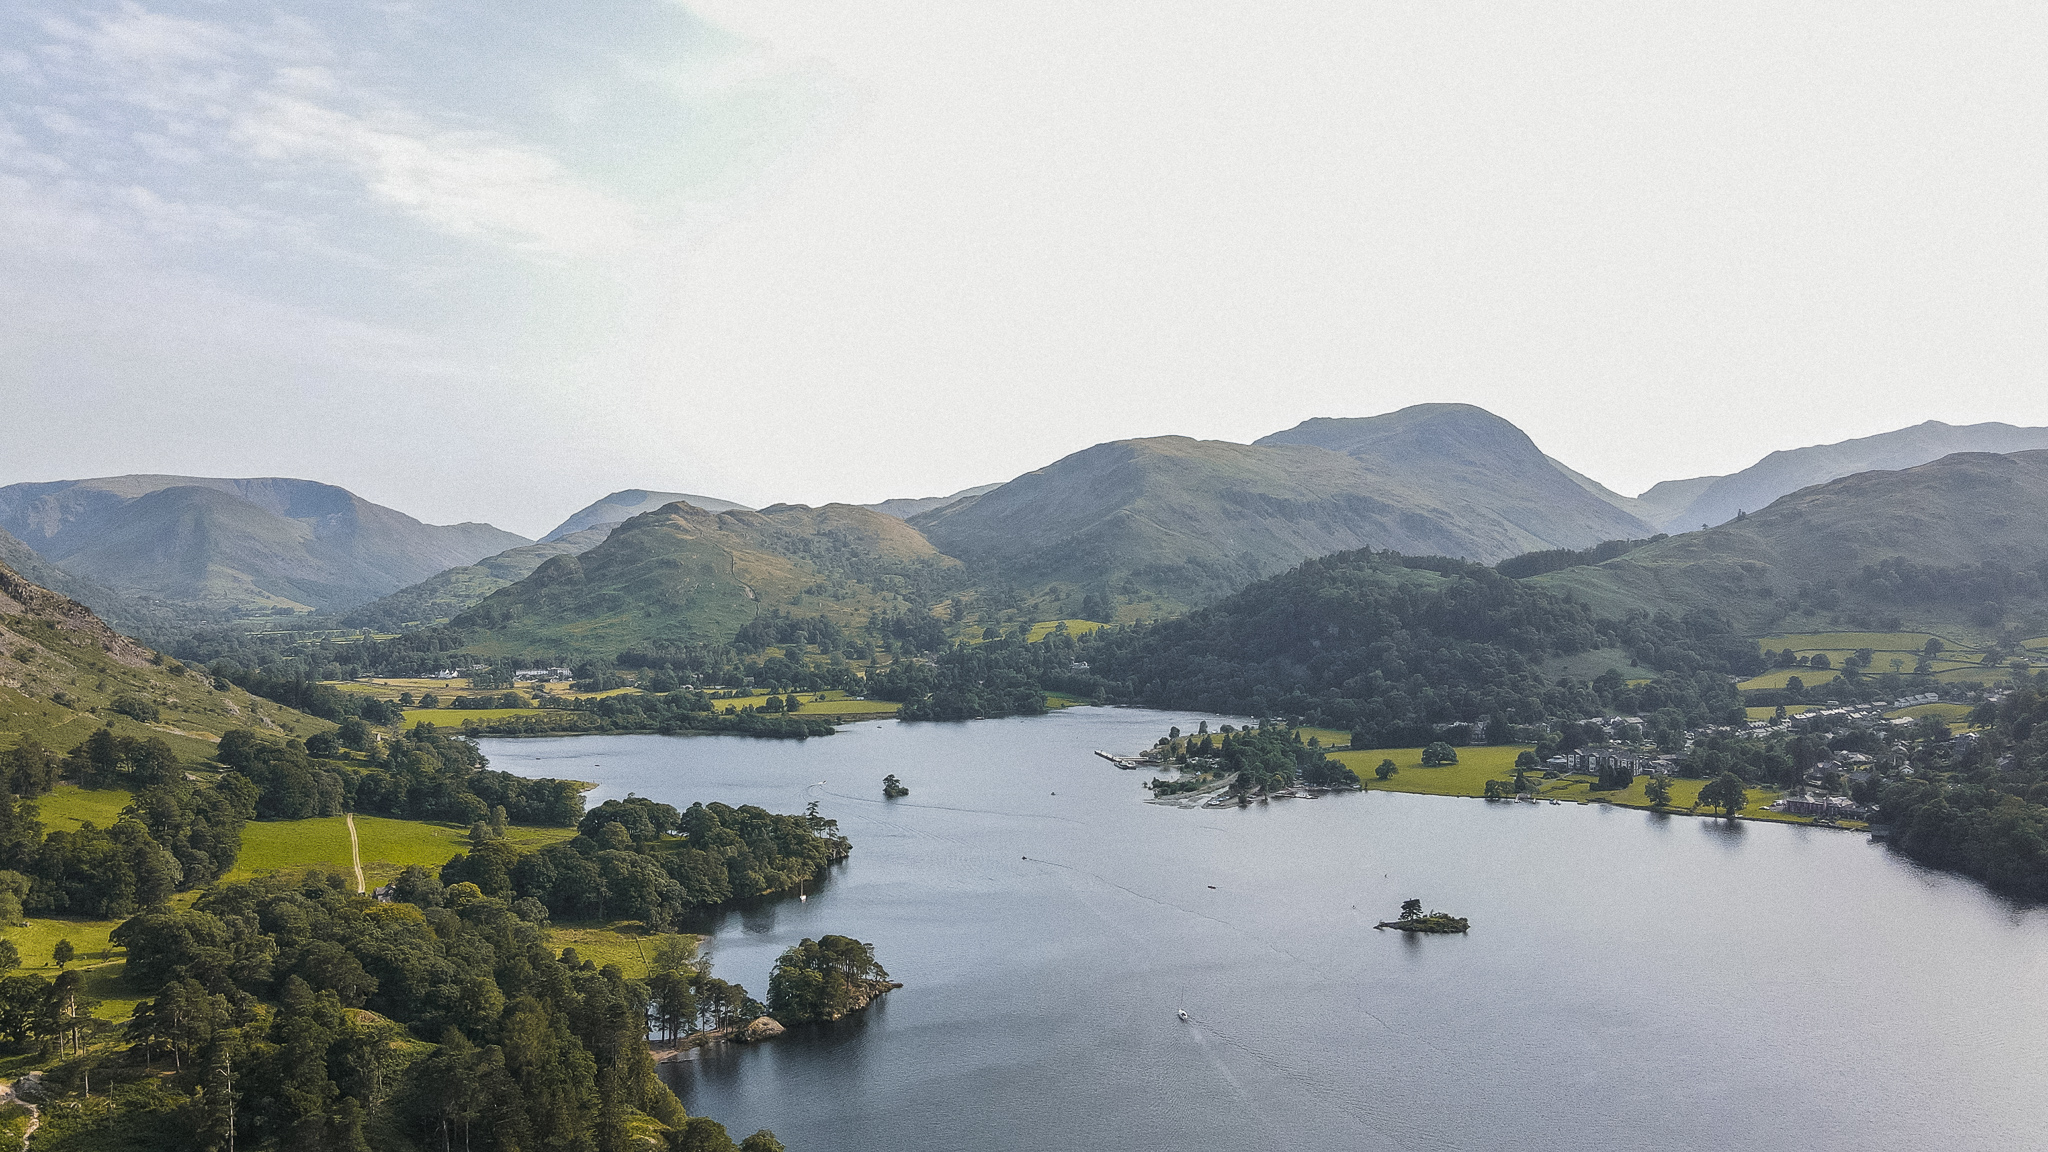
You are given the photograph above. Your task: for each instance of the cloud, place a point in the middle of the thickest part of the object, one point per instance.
(466, 184)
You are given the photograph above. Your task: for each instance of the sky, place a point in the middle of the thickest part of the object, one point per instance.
(492, 259)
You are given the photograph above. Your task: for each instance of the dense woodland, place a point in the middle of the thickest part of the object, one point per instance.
(293, 1014)
(641, 860)
(1398, 650)
(301, 1016)
(1980, 806)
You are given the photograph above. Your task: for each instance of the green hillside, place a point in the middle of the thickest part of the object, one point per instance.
(444, 594)
(64, 673)
(1169, 522)
(235, 548)
(1955, 547)
(684, 575)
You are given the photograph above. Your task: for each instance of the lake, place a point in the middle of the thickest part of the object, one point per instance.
(1630, 980)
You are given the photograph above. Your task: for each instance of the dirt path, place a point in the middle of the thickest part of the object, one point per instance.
(355, 851)
(35, 1114)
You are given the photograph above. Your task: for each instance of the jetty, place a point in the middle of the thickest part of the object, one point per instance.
(1124, 762)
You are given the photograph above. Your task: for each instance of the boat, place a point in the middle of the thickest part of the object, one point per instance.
(1183, 1013)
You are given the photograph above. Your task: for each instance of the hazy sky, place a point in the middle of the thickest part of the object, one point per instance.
(491, 259)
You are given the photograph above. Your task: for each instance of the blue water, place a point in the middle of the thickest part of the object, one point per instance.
(1630, 981)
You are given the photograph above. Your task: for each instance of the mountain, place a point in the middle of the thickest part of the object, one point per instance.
(445, 594)
(904, 508)
(1172, 522)
(1718, 499)
(622, 506)
(1667, 501)
(236, 547)
(1960, 543)
(65, 673)
(681, 574)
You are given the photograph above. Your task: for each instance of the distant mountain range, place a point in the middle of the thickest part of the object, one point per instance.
(1683, 505)
(622, 506)
(1135, 528)
(235, 547)
(903, 509)
(1959, 541)
(446, 593)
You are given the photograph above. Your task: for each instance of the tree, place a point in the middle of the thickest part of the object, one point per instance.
(10, 956)
(1726, 793)
(1527, 759)
(1410, 909)
(63, 953)
(1385, 770)
(1439, 754)
(355, 734)
(1658, 790)
(823, 979)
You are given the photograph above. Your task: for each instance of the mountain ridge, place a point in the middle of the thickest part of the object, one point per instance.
(247, 546)
(1906, 544)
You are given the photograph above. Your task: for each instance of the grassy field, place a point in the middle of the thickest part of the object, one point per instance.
(1467, 777)
(1779, 677)
(97, 958)
(1849, 642)
(453, 717)
(626, 943)
(1074, 627)
(1476, 766)
(388, 845)
(1771, 713)
(68, 806)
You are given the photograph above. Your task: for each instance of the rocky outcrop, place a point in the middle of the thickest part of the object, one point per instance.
(761, 1028)
(866, 992)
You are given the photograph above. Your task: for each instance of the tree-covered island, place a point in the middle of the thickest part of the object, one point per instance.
(1414, 919)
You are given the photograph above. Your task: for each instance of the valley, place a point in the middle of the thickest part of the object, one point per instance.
(1423, 603)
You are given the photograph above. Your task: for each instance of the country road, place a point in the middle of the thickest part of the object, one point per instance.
(355, 851)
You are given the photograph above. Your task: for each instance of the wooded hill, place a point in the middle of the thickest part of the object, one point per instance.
(1956, 545)
(682, 575)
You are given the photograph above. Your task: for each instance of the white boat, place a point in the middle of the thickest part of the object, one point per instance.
(1183, 1013)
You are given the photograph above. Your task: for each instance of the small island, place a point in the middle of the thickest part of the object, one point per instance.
(1414, 919)
(892, 787)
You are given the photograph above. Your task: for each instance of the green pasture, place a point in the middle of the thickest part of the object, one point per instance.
(1476, 765)
(389, 846)
(68, 806)
(626, 943)
(1772, 713)
(1779, 677)
(453, 717)
(97, 957)
(390, 689)
(1685, 796)
(1043, 628)
(1849, 642)
(848, 707)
